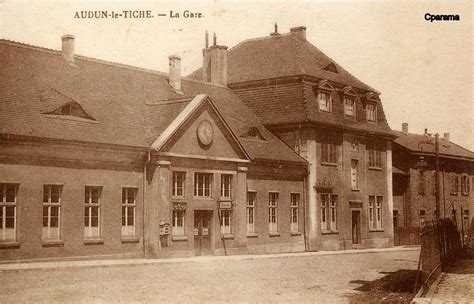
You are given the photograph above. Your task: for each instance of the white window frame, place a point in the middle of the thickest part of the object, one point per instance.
(354, 174)
(179, 184)
(324, 214)
(325, 104)
(251, 202)
(129, 203)
(8, 235)
(328, 152)
(226, 185)
(375, 211)
(349, 106)
(454, 184)
(294, 211)
(333, 212)
(226, 221)
(328, 212)
(48, 232)
(203, 184)
(371, 112)
(273, 211)
(91, 232)
(465, 184)
(178, 217)
(375, 157)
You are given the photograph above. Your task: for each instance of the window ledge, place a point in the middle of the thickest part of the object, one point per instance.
(130, 239)
(295, 233)
(179, 237)
(355, 189)
(52, 243)
(93, 242)
(227, 237)
(376, 168)
(179, 198)
(376, 230)
(329, 231)
(271, 234)
(329, 164)
(252, 235)
(9, 245)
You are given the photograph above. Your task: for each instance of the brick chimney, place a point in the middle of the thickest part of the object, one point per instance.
(68, 48)
(299, 32)
(446, 137)
(175, 72)
(214, 66)
(405, 128)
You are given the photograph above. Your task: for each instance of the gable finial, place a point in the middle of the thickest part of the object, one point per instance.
(206, 38)
(215, 39)
(276, 28)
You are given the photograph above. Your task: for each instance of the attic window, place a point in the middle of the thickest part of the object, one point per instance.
(254, 133)
(71, 109)
(331, 67)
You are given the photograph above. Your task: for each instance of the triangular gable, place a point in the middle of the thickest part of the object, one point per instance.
(193, 110)
(349, 91)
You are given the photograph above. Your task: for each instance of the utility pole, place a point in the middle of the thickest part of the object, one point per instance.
(438, 192)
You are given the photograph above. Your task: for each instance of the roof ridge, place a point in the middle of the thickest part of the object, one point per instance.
(259, 38)
(102, 61)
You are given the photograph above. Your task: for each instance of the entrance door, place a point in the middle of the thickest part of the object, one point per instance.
(202, 232)
(355, 227)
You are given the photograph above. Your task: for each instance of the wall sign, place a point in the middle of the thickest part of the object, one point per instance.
(225, 205)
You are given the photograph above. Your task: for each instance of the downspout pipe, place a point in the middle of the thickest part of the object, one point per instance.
(145, 166)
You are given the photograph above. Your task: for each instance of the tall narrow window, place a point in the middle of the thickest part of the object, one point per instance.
(202, 184)
(328, 212)
(333, 209)
(294, 206)
(328, 152)
(354, 181)
(465, 183)
(375, 156)
(371, 112)
(129, 196)
(179, 179)
(421, 183)
(51, 212)
(349, 107)
(375, 212)
(226, 221)
(273, 212)
(226, 185)
(251, 201)
(324, 100)
(454, 184)
(177, 226)
(8, 202)
(92, 200)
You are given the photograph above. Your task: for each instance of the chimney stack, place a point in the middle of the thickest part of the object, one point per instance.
(214, 67)
(405, 128)
(446, 137)
(175, 72)
(68, 48)
(299, 32)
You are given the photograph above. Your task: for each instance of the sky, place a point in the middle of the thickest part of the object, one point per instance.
(424, 70)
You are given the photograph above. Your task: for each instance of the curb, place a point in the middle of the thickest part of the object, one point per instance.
(137, 262)
(429, 295)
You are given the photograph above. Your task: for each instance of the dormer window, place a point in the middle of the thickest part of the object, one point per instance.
(371, 112)
(325, 101)
(71, 109)
(349, 106)
(254, 133)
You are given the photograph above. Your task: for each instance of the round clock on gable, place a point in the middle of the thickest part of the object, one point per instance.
(205, 133)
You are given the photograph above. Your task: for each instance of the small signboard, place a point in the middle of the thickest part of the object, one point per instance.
(205, 231)
(225, 205)
(196, 231)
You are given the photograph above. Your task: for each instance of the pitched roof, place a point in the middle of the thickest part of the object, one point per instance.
(419, 144)
(280, 56)
(129, 106)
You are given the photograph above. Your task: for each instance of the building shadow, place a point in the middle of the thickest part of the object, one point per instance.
(394, 287)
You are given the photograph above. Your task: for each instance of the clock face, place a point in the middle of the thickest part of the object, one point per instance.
(205, 133)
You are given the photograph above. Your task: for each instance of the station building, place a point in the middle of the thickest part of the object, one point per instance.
(334, 121)
(100, 159)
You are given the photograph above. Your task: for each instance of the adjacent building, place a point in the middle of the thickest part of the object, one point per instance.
(330, 118)
(103, 159)
(414, 184)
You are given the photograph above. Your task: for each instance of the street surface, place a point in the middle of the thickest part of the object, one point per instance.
(334, 278)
